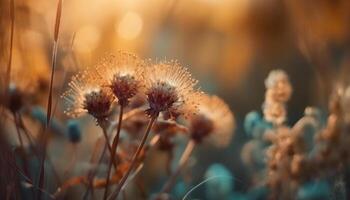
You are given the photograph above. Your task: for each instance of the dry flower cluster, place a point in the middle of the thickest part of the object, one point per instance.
(129, 98)
(311, 151)
(133, 128)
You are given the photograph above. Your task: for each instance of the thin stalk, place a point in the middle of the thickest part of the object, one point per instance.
(9, 64)
(114, 149)
(7, 79)
(184, 158)
(153, 141)
(92, 173)
(49, 101)
(104, 130)
(18, 131)
(29, 181)
(21, 149)
(34, 148)
(116, 192)
(64, 76)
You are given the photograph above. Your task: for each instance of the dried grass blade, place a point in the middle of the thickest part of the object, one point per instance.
(9, 64)
(49, 104)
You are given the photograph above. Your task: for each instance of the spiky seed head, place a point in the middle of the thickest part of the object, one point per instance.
(87, 95)
(214, 120)
(169, 88)
(123, 74)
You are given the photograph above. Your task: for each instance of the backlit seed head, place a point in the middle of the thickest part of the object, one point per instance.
(124, 88)
(123, 74)
(170, 89)
(214, 120)
(161, 97)
(98, 102)
(201, 126)
(86, 95)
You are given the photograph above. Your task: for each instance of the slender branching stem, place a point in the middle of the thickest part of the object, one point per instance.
(21, 148)
(116, 192)
(49, 100)
(114, 149)
(34, 148)
(18, 131)
(92, 173)
(28, 180)
(8, 71)
(152, 142)
(183, 160)
(104, 126)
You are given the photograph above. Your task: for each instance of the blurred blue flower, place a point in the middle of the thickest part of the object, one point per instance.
(39, 114)
(220, 182)
(73, 131)
(315, 190)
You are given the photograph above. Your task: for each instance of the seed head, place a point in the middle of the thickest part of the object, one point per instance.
(214, 119)
(122, 74)
(86, 95)
(170, 89)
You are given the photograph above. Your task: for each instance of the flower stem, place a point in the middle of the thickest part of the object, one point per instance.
(104, 124)
(92, 172)
(114, 195)
(114, 149)
(183, 160)
(22, 148)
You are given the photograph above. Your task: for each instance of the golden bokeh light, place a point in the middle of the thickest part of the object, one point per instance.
(87, 39)
(130, 26)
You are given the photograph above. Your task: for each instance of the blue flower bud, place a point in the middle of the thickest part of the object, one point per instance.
(252, 119)
(219, 183)
(39, 114)
(74, 132)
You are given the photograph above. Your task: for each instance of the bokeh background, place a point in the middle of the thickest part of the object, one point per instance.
(228, 45)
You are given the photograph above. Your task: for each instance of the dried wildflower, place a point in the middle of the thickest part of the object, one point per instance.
(275, 112)
(214, 118)
(278, 86)
(86, 95)
(123, 74)
(170, 88)
(15, 99)
(278, 92)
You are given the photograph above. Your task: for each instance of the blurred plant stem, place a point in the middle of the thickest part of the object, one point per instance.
(116, 192)
(8, 72)
(114, 149)
(104, 124)
(49, 100)
(92, 172)
(183, 161)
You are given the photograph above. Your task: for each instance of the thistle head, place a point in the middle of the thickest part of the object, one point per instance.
(214, 119)
(98, 102)
(170, 89)
(86, 95)
(122, 73)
